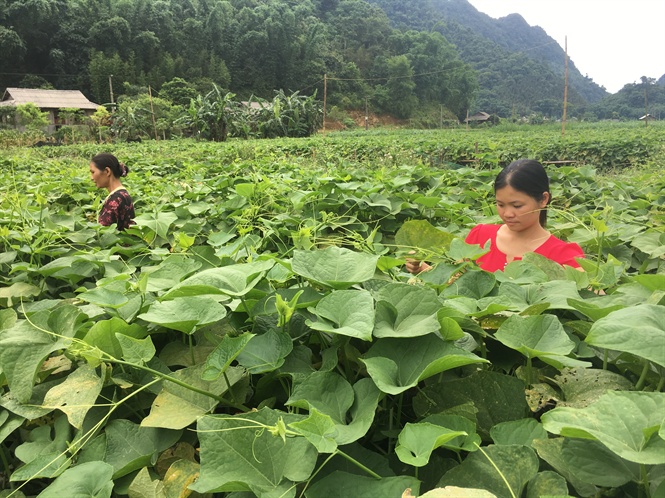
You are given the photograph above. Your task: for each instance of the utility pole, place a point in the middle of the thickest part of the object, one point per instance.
(111, 91)
(152, 111)
(565, 90)
(325, 97)
(646, 103)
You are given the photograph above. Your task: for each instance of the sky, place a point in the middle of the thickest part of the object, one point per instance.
(614, 42)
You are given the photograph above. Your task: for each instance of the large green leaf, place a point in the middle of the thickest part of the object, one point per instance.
(421, 236)
(9, 424)
(650, 242)
(265, 352)
(343, 485)
(237, 456)
(496, 397)
(551, 451)
(596, 308)
(406, 311)
(223, 355)
(17, 291)
(87, 480)
(335, 267)
(626, 422)
(502, 470)
(416, 442)
(8, 319)
(472, 284)
(541, 337)
(143, 486)
(71, 268)
(130, 447)
(345, 312)
(319, 429)
(186, 314)
(535, 336)
(26, 345)
(366, 400)
(328, 392)
(176, 407)
(396, 365)
(136, 351)
(521, 432)
(547, 483)
(102, 335)
(639, 330)
(593, 463)
(105, 297)
(158, 222)
(582, 386)
(470, 442)
(76, 395)
(44, 451)
(169, 273)
(234, 280)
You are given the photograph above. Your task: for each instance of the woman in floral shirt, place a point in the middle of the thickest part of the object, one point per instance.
(118, 208)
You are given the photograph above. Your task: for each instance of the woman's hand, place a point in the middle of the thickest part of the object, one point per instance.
(415, 266)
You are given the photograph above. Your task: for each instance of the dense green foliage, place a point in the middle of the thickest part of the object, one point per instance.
(403, 59)
(245, 46)
(254, 334)
(633, 101)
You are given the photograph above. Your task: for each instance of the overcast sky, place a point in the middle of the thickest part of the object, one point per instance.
(612, 41)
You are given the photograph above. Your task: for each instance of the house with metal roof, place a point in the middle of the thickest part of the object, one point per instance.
(50, 101)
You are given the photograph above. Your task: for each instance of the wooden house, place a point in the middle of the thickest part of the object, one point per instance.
(479, 117)
(50, 101)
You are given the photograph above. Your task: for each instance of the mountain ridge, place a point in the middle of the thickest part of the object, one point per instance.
(485, 43)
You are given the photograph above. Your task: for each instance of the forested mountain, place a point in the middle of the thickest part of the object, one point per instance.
(250, 47)
(520, 68)
(633, 101)
(408, 59)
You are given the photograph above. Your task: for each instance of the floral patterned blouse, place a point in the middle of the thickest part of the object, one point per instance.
(118, 208)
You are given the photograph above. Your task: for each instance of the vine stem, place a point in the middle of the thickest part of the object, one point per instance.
(228, 387)
(302, 493)
(643, 378)
(5, 464)
(160, 375)
(512, 493)
(359, 465)
(645, 480)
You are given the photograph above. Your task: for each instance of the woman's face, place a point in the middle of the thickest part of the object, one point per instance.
(519, 211)
(101, 178)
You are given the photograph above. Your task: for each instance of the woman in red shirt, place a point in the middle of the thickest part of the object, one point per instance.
(522, 191)
(118, 208)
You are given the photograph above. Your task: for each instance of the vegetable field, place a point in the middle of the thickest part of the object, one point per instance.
(255, 334)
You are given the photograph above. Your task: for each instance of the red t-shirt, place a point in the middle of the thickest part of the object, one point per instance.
(555, 249)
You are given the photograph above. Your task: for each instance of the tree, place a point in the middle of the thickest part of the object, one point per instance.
(397, 95)
(31, 117)
(71, 115)
(178, 91)
(11, 46)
